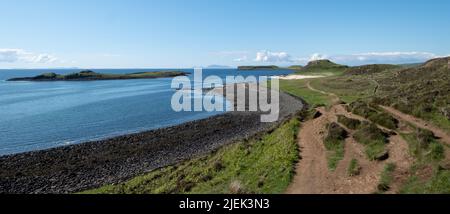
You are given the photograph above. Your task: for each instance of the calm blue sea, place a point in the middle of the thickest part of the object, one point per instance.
(42, 115)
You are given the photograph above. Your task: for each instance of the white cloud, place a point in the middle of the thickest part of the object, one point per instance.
(372, 58)
(19, 55)
(241, 59)
(313, 57)
(268, 56)
(384, 57)
(317, 56)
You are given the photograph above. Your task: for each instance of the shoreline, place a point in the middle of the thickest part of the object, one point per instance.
(88, 165)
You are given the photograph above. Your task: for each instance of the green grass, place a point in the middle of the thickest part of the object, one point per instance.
(255, 166)
(362, 109)
(373, 139)
(375, 150)
(336, 152)
(370, 69)
(348, 89)
(295, 67)
(386, 177)
(353, 168)
(349, 122)
(319, 72)
(299, 88)
(371, 113)
(438, 184)
(323, 67)
(335, 144)
(422, 91)
(428, 153)
(384, 119)
(424, 149)
(438, 120)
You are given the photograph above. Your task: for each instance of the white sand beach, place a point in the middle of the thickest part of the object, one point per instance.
(297, 77)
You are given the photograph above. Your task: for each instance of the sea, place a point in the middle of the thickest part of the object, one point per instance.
(42, 115)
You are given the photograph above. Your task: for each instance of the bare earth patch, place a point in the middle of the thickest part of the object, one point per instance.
(444, 136)
(312, 173)
(314, 177)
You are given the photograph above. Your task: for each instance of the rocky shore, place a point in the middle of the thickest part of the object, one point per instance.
(89, 165)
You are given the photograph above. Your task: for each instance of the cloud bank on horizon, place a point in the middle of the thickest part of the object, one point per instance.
(398, 57)
(23, 56)
(264, 57)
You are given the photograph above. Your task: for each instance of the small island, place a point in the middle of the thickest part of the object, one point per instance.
(262, 67)
(91, 76)
(295, 67)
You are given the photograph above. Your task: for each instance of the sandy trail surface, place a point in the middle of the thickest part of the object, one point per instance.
(443, 135)
(312, 173)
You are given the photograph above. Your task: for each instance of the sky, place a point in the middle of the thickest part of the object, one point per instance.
(199, 33)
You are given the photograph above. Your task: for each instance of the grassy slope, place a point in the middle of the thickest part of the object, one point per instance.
(334, 142)
(420, 90)
(299, 88)
(429, 156)
(348, 88)
(322, 67)
(257, 166)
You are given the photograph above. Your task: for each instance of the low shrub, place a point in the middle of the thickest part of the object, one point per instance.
(386, 177)
(349, 122)
(354, 168)
(385, 120)
(334, 143)
(374, 141)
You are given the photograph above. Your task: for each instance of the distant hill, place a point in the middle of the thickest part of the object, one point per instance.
(295, 67)
(370, 69)
(261, 67)
(218, 66)
(411, 65)
(323, 66)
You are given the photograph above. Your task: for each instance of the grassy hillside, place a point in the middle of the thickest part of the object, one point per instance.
(299, 88)
(370, 69)
(324, 67)
(295, 67)
(421, 90)
(264, 165)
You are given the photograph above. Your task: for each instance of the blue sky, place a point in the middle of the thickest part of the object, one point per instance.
(187, 33)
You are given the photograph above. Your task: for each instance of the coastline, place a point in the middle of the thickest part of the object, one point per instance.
(89, 165)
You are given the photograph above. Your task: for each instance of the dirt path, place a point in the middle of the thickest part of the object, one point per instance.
(445, 137)
(399, 154)
(312, 173)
